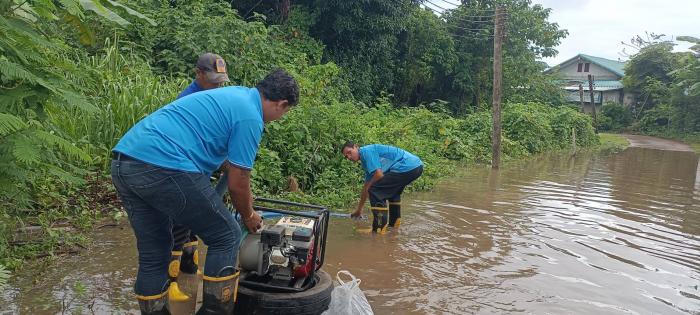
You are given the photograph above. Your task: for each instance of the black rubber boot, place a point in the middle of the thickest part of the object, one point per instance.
(181, 234)
(187, 262)
(380, 218)
(219, 295)
(174, 266)
(154, 304)
(394, 213)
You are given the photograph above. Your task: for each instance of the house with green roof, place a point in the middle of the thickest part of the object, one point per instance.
(607, 84)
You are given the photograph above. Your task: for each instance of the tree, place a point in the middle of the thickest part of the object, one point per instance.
(33, 75)
(528, 37)
(685, 90)
(426, 55)
(421, 53)
(647, 74)
(362, 37)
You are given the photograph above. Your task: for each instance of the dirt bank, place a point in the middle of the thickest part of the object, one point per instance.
(656, 143)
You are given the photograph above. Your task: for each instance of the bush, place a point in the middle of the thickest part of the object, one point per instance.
(614, 117)
(529, 125)
(656, 120)
(74, 103)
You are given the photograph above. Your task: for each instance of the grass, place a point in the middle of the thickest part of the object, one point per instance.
(693, 140)
(612, 139)
(610, 142)
(695, 146)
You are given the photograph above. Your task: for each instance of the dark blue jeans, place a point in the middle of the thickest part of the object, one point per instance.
(154, 199)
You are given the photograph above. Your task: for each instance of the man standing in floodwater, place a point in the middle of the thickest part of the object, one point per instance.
(388, 170)
(161, 169)
(210, 73)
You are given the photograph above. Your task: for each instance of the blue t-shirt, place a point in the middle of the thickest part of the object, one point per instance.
(198, 132)
(386, 158)
(192, 88)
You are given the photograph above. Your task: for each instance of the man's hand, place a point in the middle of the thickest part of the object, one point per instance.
(253, 222)
(357, 214)
(239, 188)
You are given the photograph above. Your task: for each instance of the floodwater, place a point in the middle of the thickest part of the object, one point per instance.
(555, 234)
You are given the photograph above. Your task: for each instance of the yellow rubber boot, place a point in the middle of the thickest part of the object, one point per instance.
(394, 214)
(219, 294)
(380, 219)
(188, 280)
(179, 302)
(154, 304)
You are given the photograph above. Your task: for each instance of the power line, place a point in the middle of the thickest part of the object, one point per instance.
(484, 12)
(439, 13)
(454, 4)
(467, 17)
(467, 6)
(467, 21)
(428, 1)
(473, 37)
(489, 22)
(469, 29)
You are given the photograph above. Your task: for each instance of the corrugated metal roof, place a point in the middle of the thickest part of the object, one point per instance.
(598, 85)
(615, 66)
(612, 84)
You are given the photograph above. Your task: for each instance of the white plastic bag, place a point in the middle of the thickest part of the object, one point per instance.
(347, 298)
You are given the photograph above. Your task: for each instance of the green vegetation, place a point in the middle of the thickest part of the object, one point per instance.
(74, 81)
(610, 142)
(398, 47)
(614, 117)
(693, 140)
(4, 276)
(667, 85)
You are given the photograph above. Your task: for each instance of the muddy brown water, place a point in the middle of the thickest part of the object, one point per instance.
(551, 235)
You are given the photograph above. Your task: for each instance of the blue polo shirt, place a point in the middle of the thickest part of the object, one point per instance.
(387, 158)
(198, 132)
(192, 88)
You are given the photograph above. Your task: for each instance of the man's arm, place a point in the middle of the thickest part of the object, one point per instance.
(239, 188)
(378, 174)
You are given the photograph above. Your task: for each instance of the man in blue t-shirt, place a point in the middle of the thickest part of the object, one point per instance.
(161, 170)
(388, 170)
(210, 73)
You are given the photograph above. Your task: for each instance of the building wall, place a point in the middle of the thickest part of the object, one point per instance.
(614, 96)
(588, 109)
(629, 99)
(570, 72)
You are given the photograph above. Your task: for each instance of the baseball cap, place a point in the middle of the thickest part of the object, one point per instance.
(214, 67)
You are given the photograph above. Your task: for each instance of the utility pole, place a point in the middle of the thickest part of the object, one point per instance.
(580, 95)
(590, 87)
(497, 75)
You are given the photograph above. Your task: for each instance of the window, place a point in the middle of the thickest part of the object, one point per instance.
(580, 65)
(588, 67)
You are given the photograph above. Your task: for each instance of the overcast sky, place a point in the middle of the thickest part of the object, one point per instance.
(596, 27)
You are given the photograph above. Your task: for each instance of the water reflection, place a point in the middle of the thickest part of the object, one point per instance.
(555, 234)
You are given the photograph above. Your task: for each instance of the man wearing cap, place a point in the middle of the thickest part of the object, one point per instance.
(211, 73)
(161, 170)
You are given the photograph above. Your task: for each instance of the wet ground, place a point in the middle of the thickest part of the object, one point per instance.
(648, 142)
(551, 235)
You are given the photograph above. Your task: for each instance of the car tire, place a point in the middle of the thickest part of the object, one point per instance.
(313, 301)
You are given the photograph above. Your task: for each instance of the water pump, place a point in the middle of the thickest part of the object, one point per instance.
(285, 255)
